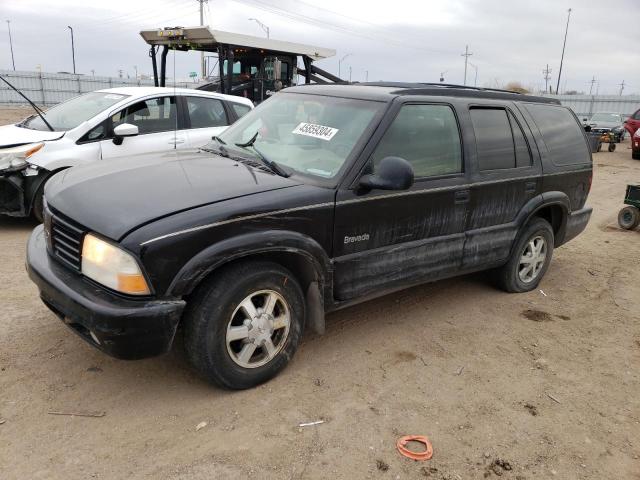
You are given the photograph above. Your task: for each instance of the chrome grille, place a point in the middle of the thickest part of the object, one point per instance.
(66, 242)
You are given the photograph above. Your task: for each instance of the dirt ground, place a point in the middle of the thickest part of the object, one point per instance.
(521, 386)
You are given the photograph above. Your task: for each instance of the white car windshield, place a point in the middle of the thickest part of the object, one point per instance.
(606, 117)
(70, 114)
(311, 134)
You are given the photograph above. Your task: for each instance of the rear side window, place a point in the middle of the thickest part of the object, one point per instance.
(426, 136)
(206, 112)
(240, 109)
(500, 142)
(561, 133)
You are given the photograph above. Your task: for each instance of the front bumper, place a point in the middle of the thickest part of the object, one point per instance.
(121, 327)
(12, 195)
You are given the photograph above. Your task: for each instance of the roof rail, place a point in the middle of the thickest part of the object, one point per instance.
(433, 84)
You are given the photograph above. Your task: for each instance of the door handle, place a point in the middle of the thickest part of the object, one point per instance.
(462, 196)
(177, 141)
(530, 187)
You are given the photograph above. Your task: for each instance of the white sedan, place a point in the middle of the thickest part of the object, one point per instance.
(102, 125)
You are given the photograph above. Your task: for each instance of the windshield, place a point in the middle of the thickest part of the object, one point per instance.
(70, 114)
(311, 134)
(606, 117)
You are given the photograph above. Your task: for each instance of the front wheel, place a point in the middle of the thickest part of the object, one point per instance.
(38, 204)
(244, 325)
(530, 258)
(629, 217)
(612, 147)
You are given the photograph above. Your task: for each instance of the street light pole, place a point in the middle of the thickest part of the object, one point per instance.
(563, 45)
(340, 62)
(262, 25)
(13, 62)
(73, 50)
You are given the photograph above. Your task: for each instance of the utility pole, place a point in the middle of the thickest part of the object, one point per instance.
(621, 87)
(73, 50)
(340, 62)
(547, 77)
(93, 72)
(563, 46)
(349, 73)
(592, 82)
(203, 72)
(13, 62)
(475, 80)
(466, 56)
(442, 76)
(366, 76)
(135, 67)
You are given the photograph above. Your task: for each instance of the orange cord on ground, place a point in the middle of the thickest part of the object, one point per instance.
(402, 442)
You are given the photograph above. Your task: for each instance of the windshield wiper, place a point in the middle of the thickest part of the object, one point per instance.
(221, 150)
(38, 110)
(271, 165)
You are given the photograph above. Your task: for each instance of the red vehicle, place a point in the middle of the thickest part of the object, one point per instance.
(632, 124)
(635, 145)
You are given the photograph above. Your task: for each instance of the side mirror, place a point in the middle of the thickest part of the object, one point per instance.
(585, 119)
(124, 130)
(393, 173)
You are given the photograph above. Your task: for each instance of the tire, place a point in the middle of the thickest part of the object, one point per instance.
(635, 155)
(612, 147)
(599, 146)
(217, 332)
(37, 208)
(510, 276)
(629, 217)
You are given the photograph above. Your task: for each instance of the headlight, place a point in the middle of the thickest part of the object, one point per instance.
(112, 267)
(16, 158)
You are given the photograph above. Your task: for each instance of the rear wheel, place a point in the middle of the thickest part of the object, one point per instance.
(635, 155)
(530, 258)
(629, 217)
(243, 326)
(612, 147)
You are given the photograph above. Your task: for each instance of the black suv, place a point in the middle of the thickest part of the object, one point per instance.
(322, 197)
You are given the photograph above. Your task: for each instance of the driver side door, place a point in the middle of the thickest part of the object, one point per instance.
(391, 239)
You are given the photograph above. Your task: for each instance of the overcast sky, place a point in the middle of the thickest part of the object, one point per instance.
(399, 40)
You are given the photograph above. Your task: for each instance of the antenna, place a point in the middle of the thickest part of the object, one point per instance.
(175, 100)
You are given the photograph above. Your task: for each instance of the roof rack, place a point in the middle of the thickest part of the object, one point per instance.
(431, 84)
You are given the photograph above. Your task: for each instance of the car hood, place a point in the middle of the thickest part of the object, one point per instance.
(12, 136)
(114, 197)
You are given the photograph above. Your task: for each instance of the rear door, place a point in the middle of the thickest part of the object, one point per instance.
(506, 175)
(390, 239)
(159, 125)
(206, 117)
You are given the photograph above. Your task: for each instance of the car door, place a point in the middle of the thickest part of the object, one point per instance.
(206, 117)
(160, 128)
(390, 239)
(505, 177)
